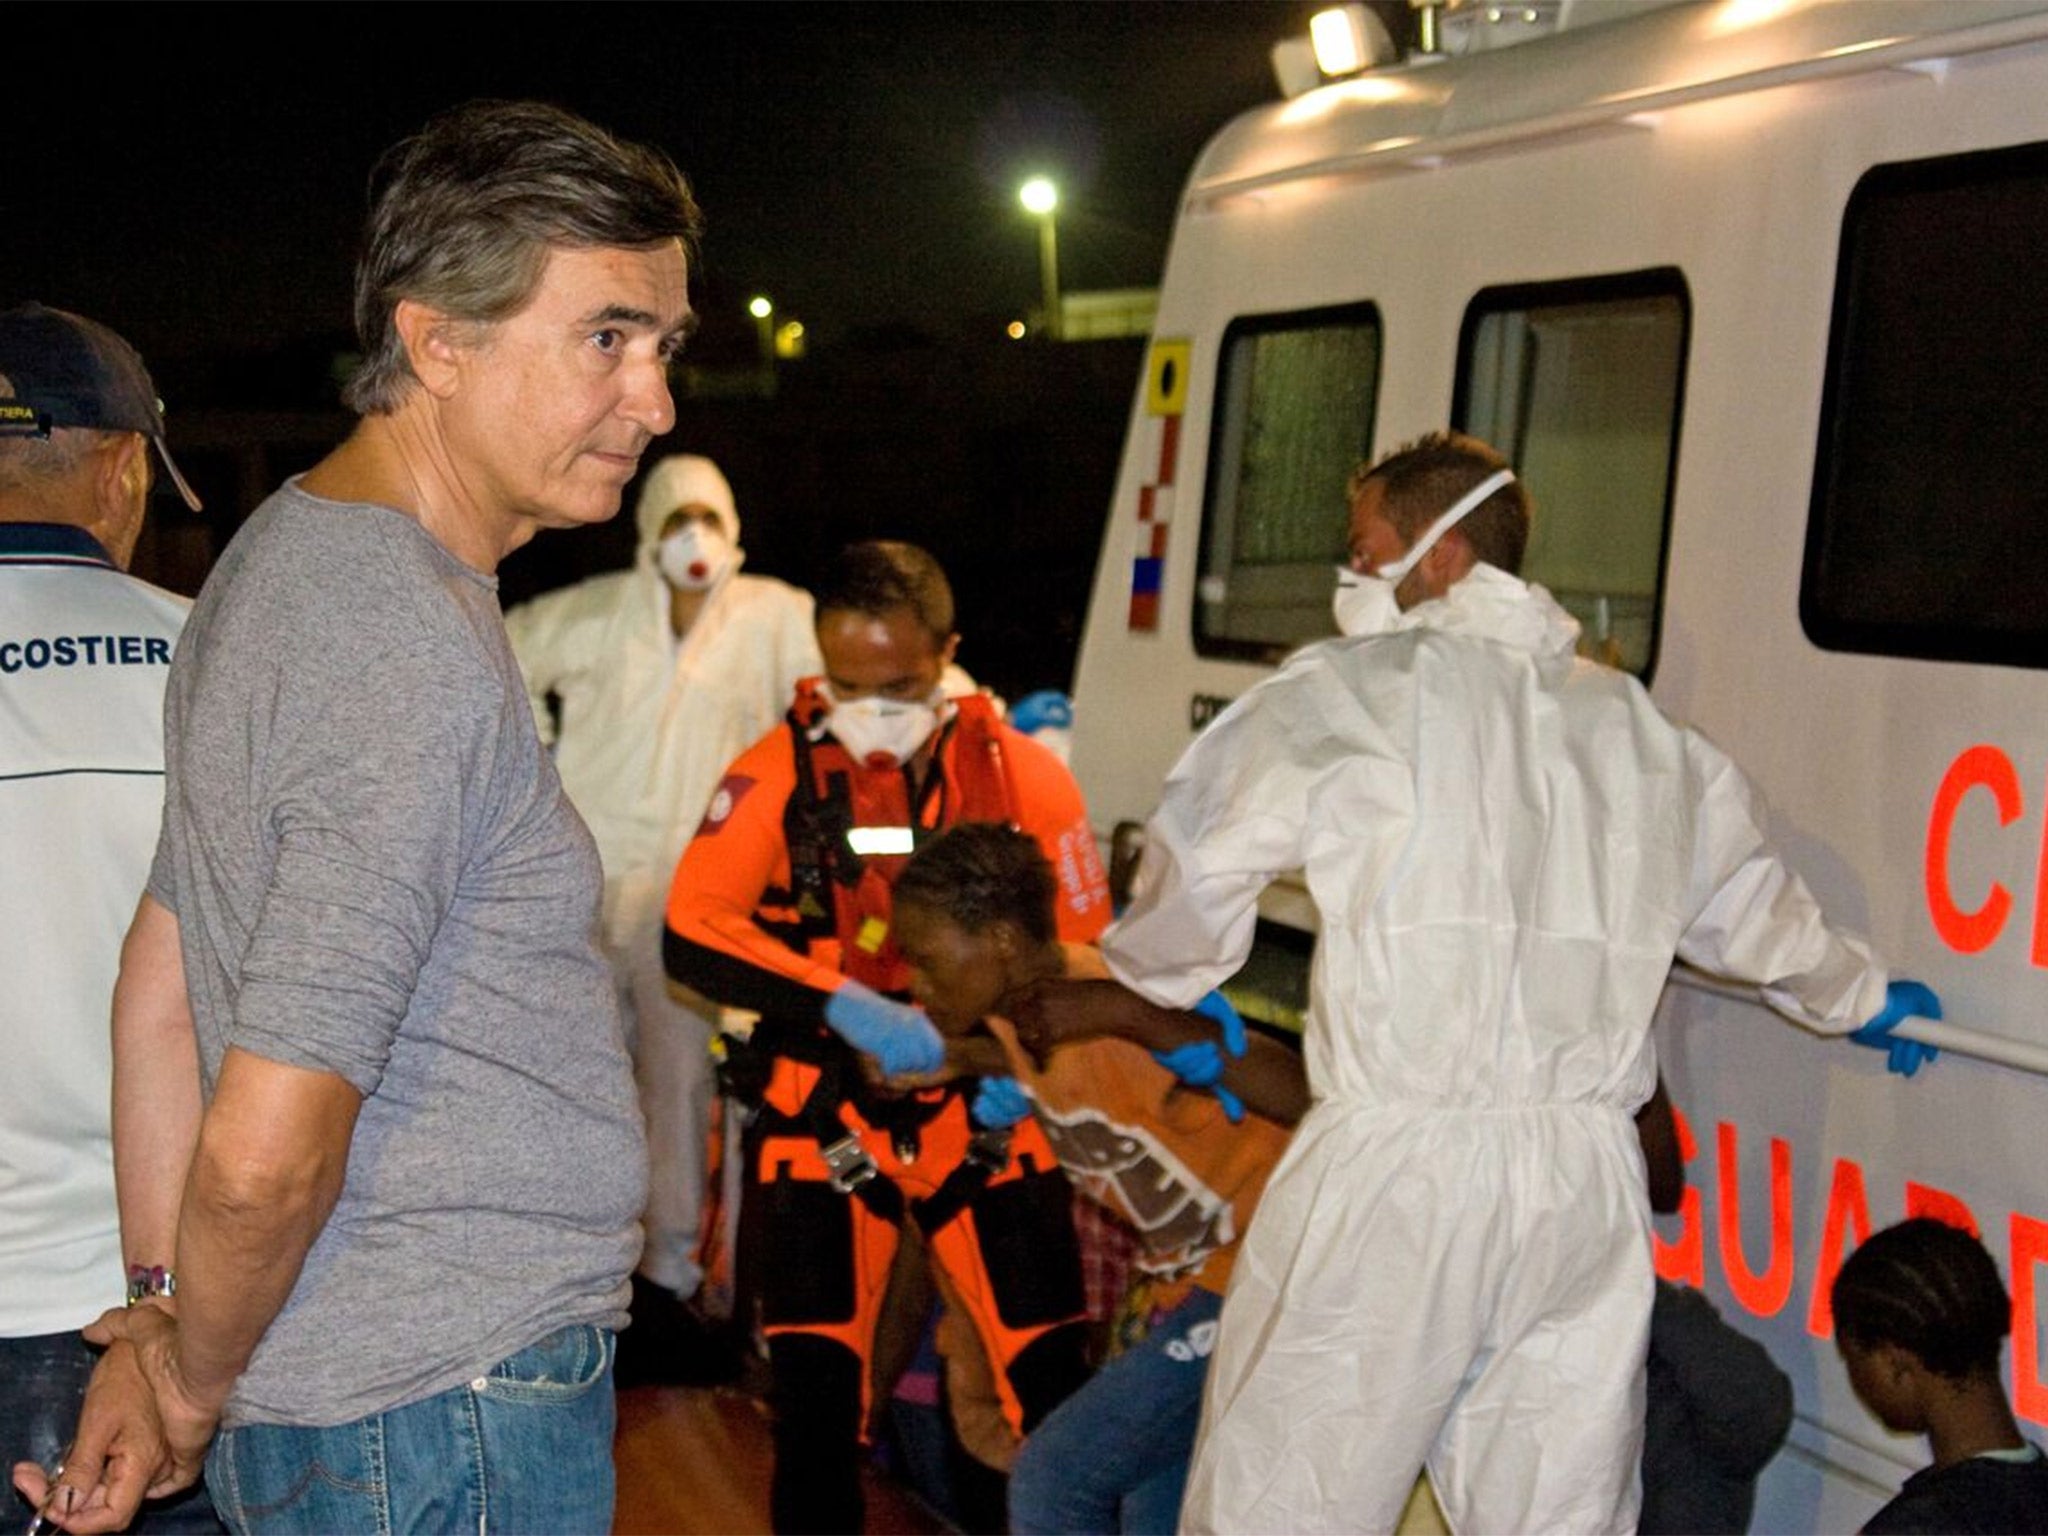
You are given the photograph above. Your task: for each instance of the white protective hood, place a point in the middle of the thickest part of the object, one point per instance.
(683, 480)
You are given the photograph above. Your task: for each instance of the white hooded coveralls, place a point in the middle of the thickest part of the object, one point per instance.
(1507, 846)
(648, 724)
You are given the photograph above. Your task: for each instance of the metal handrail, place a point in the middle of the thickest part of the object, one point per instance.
(2003, 1049)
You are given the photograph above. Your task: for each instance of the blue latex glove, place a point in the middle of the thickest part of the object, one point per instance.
(1216, 1006)
(1036, 711)
(899, 1037)
(999, 1102)
(1200, 1063)
(1902, 1000)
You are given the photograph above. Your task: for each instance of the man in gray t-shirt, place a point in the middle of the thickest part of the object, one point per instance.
(396, 1201)
(377, 877)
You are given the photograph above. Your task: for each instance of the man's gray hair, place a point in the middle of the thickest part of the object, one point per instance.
(464, 213)
(33, 464)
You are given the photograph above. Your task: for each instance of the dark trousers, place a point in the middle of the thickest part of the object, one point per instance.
(44, 1378)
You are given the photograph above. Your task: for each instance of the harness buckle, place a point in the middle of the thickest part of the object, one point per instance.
(990, 1149)
(849, 1163)
(906, 1144)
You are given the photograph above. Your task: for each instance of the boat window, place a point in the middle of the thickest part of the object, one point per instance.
(1930, 488)
(1294, 415)
(1581, 384)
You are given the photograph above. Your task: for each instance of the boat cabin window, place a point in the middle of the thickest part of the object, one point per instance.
(1580, 384)
(1295, 396)
(1928, 529)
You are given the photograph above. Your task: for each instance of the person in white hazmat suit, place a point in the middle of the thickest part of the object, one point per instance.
(664, 674)
(1507, 847)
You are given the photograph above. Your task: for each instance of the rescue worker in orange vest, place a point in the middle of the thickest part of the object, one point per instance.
(781, 908)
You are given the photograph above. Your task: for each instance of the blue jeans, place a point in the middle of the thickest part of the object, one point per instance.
(1114, 1456)
(42, 1387)
(527, 1447)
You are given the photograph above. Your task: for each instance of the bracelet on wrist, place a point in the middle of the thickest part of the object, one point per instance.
(147, 1280)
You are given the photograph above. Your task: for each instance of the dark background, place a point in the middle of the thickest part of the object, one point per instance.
(193, 176)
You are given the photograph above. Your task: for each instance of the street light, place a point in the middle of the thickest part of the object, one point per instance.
(1040, 197)
(763, 311)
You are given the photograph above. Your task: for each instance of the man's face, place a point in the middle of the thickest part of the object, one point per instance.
(957, 975)
(1375, 543)
(554, 405)
(890, 655)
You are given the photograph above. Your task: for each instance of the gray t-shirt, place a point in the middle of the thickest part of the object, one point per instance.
(376, 874)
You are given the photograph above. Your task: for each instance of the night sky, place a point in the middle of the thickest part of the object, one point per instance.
(194, 174)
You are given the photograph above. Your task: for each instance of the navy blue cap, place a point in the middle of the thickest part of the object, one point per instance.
(58, 369)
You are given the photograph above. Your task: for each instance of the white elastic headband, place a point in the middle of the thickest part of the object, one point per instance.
(1443, 525)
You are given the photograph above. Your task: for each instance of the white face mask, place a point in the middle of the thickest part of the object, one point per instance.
(881, 732)
(694, 556)
(1365, 604)
(1362, 604)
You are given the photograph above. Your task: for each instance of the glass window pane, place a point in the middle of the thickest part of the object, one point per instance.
(1931, 483)
(1579, 385)
(1294, 410)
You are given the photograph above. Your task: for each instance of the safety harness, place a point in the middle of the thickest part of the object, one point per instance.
(842, 896)
(854, 1170)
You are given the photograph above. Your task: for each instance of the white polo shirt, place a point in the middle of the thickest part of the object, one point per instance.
(84, 650)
